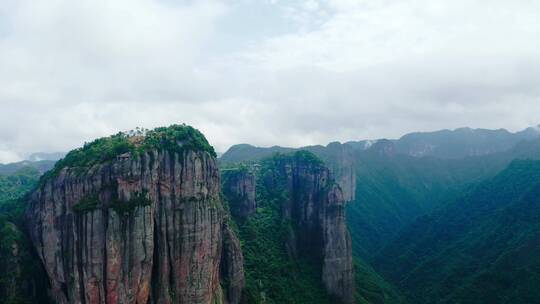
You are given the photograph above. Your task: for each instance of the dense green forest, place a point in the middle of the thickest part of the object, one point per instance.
(482, 248)
(21, 276)
(371, 288)
(394, 189)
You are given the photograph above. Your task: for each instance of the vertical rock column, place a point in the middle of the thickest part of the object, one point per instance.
(147, 228)
(316, 206)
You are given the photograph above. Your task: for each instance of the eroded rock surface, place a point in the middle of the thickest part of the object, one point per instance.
(142, 228)
(316, 208)
(239, 188)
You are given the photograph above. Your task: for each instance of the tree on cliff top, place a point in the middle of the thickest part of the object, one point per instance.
(175, 138)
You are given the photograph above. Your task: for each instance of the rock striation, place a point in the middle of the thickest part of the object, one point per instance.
(239, 189)
(341, 160)
(316, 208)
(146, 226)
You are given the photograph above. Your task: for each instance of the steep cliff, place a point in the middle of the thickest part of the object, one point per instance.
(340, 159)
(239, 189)
(297, 244)
(137, 219)
(316, 209)
(22, 279)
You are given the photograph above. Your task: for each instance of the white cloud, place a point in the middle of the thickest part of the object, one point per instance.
(276, 72)
(368, 33)
(9, 157)
(98, 50)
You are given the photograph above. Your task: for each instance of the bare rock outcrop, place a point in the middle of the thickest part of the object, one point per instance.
(239, 189)
(146, 227)
(232, 266)
(316, 209)
(341, 161)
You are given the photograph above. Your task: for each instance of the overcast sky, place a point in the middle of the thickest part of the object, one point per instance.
(263, 72)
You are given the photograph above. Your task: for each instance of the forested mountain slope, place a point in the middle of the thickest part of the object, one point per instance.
(290, 216)
(458, 143)
(482, 248)
(393, 189)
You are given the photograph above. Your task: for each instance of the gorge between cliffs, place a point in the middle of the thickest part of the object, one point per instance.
(142, 218)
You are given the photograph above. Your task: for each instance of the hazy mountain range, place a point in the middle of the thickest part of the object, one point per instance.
(456, 143)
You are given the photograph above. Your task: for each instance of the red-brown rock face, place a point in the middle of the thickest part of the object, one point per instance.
(139, 229)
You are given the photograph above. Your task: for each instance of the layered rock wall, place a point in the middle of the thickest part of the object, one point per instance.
(142, 228)
(316, 209)
(239, 188)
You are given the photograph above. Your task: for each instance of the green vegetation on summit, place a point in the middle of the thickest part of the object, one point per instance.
(175, 138)
(272, 276)
(22, 279)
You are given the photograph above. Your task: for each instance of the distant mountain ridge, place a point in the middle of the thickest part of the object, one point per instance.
(461, 142)
(42, 166)
(447, 144)
(39, 156)
(247, 152)
(40, 161)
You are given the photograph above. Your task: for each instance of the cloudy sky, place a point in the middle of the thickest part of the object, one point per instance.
(263, 71)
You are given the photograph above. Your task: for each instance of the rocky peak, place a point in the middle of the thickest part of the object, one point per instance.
(316, 208)
(137, 221)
